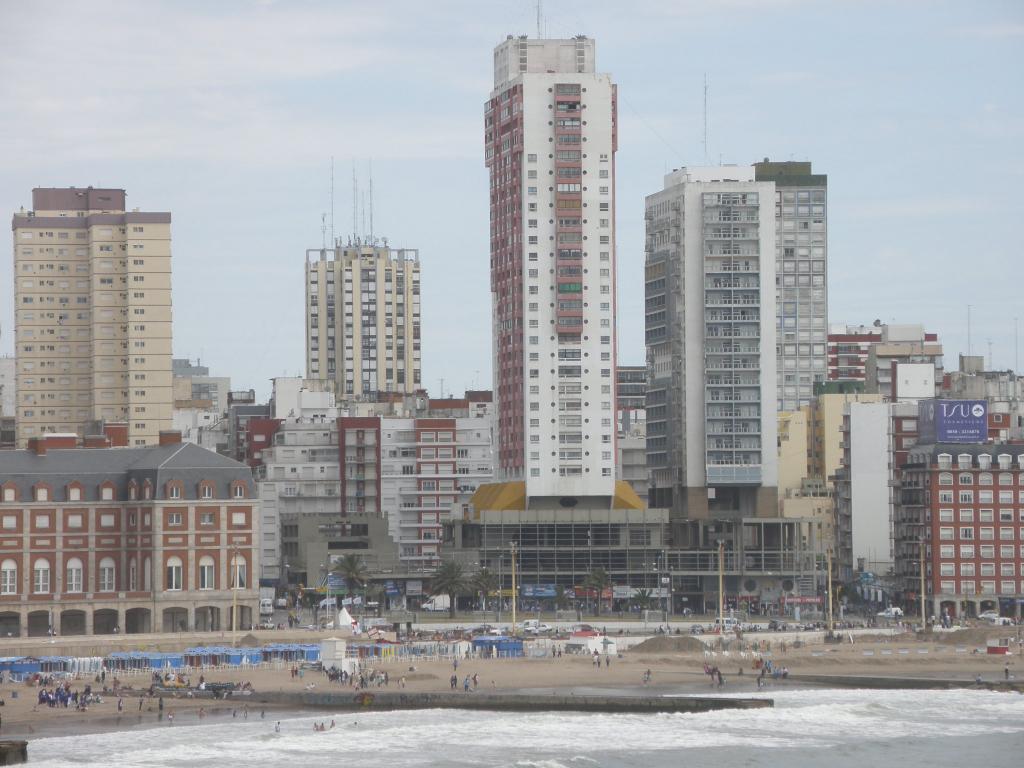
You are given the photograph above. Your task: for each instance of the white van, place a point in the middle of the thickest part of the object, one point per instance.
(266, 607)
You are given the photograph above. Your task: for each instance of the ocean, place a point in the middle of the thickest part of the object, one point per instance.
(810, 727)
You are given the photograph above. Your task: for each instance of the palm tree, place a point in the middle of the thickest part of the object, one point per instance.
(353, 570)
(485, 582)
(449, 579)
(599, 580)
(642, 598)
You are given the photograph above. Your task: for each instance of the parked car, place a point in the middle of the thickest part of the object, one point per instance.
(988, 615)
(1001, 621)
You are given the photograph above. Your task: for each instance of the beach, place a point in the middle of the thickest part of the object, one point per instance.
(953, 657)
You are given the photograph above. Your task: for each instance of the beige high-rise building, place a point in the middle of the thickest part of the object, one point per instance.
(363, 318)
(92, 315)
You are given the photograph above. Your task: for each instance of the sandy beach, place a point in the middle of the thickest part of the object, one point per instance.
(949, 657)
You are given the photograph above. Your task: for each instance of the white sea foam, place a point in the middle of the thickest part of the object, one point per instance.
(853, 722)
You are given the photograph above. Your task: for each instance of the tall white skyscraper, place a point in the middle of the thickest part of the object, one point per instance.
(550, 141)
(710, 331)
(801, 284)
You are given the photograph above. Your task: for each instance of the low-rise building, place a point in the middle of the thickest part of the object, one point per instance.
(101, 540)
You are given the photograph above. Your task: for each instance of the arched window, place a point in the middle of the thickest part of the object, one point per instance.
(8, 578)
(207, 577)
(73, 579)
(108, 575)
(74, 493)
(239, 572)
(41, 577)
(133, 575)
(173, 582)
(239, 490)
(985, 478)
(945, 478)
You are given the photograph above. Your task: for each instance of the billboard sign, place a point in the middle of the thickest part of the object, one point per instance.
(414, 587)
(537, 590)
(953, 421)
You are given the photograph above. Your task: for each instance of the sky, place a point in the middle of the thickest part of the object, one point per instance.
(227, 114)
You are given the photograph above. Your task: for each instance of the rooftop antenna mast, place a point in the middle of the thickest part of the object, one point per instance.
(323, 231)
(371, 201)
(332, 202)
(968, 329)
(706, 161)
(540, 10)
(355, 206)
(990, 355)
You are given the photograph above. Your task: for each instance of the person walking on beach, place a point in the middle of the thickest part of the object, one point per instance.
(1006, 671)
(277, 727)
(465, 684)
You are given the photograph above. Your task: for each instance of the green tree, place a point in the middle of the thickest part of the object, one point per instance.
(485, 582)
(450, 579)
(598, 580)
(642, 598)
(353, 570)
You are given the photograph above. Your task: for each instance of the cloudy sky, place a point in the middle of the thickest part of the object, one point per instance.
(227, 114)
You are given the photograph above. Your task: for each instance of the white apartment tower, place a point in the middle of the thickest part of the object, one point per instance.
(92, 315)
(363, 318)
(550, 139)
(710, 335)
(801, 285)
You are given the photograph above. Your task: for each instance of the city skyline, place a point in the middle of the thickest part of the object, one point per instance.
(244, 112)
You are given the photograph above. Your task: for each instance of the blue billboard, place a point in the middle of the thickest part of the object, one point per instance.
(952, 421)
(537, 590)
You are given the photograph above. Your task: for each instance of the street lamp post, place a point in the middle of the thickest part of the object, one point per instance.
(234, 597)
(721, 585)
(513, 545)
(921, 549)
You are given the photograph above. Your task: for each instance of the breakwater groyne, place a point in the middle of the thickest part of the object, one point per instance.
(511, 702)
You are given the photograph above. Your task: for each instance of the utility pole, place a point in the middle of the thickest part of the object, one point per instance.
(923, 620)
(828, 561)
(721, 586)
(513, 545)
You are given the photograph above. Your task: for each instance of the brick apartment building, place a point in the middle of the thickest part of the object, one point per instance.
(966, 503)
(103, 540)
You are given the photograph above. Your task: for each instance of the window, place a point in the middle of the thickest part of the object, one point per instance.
(207, 492)
(8, 578)
(174, 518)
(239, 491)
(73, 575)
(133, 575)
(174, 492)
(206, 518)
(967, 534)
(107, 575)
(173, 581)
(41, 577)
(206, 573)
(966, 497)
(239, 573)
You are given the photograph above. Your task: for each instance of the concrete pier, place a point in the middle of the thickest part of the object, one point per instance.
(919, 683)
(13, 752)
(393, 700)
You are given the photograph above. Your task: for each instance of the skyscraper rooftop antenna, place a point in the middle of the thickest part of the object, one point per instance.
(323, 231)
(370, 166)
(540, 11)
(332, 202)
(706, 161)
(355, 206)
